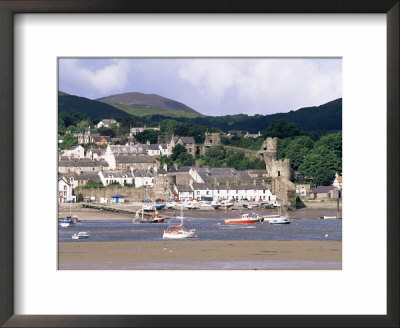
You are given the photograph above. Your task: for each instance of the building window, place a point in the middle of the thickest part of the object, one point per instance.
(279, 173)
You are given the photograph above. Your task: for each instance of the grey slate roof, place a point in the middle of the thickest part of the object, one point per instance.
(185, 140)
(153, 147)
(143, 173)
(322, 189)
(117, 173)
(85, 176)
(134, 159)
(82, 162)
(184, 188)
(209, 186)
(128, 150)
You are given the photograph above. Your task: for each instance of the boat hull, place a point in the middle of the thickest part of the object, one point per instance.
(67, 224)
(240, 221)
(179, 235)
(279, 222)
(149, 221)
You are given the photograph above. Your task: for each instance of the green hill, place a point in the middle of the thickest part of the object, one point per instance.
(95, 109)
(141, 104)
(327, 117)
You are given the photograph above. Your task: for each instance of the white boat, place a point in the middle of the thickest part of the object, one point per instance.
(276, 219)
(70, 220)
(227, 205)
(215, 205)
(328, 217)
(148, 208)
(179, 231)
(81, 235)
(170, 204)
(191, 205)
(67, 222)
(276, 204)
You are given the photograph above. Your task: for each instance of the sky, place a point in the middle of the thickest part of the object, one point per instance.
(211, 86)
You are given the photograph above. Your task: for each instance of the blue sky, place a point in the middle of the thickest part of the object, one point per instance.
(212, 86)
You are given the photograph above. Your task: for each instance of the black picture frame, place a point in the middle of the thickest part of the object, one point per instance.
(7, 198)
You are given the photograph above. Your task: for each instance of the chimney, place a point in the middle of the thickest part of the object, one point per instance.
(197, 163)
(175, 165)
(147, 142)
(165, 167)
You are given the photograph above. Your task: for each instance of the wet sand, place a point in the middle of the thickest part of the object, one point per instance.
(200, 255)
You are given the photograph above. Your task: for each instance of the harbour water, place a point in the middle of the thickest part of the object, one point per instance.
(206, 229)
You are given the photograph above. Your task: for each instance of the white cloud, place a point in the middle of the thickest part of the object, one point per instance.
(264, 85)
(102, 81)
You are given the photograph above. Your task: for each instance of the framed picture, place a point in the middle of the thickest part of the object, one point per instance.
(49, 48)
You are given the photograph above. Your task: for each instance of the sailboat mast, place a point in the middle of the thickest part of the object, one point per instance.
(337, 212)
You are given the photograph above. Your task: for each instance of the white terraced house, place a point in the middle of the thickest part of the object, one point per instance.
(116, 176)
(248, 192)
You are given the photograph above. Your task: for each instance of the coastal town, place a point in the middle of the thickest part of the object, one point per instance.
(162, 172)
(132, 173)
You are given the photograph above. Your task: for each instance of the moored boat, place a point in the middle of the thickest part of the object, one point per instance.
(81, 235)
(154, 218)
(191, 205)
(276, 219)
(159, 206)
(179, 231)
(67, 222)
(245, 219)
(215, 205)
(148, 208)
(170, 204)
(227, 205)
(329, 217)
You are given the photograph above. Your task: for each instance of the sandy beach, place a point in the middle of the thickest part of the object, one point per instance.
(200, 255)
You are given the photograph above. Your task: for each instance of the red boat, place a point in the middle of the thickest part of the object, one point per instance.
(245, 219)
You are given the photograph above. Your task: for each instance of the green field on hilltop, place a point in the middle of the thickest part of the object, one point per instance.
(145, 111)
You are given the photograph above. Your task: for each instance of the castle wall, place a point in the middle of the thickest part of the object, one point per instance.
(279, 168)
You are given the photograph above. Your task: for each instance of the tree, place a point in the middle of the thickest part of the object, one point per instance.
(283, 129)
(177, 151)
(106, 132)
(185, 159)
(295, 149)
(149, 135)
(215, 156)
(68, 141)
(321, 164)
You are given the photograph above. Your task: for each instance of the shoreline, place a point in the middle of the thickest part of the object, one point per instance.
(87, 214)
(201, 255)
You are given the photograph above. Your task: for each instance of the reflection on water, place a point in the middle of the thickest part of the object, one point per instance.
(207, 229)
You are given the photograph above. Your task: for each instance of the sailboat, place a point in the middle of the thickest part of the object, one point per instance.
(178, 231)
(154, 217)
(277, 218)
(70, 220)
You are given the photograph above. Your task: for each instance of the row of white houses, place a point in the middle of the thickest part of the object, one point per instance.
(201, 191)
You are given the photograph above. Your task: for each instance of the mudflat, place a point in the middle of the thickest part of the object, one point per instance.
(201, 255)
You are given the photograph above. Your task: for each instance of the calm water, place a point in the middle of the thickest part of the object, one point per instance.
(206, 229)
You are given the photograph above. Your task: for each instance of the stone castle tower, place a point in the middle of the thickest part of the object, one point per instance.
(210, 140)
(269, 153)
